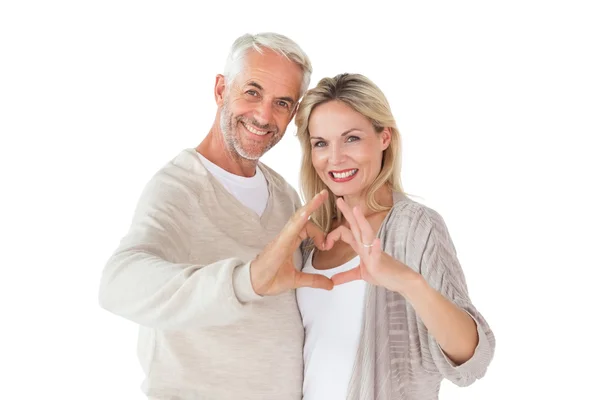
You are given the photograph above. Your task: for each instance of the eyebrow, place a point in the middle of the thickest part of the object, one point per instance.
(343, 134)
(285, 98)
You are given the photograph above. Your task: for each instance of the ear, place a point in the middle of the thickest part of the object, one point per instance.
(386, 138)
(294, 111)
(219, 89)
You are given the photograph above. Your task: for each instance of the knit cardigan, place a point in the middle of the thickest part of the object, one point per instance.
(397, 358)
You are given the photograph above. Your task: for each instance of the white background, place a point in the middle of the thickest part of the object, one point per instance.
(498, 104)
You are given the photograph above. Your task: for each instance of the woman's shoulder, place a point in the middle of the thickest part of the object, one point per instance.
(412, 216)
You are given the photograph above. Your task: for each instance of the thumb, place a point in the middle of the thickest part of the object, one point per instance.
(316, 281)
(295, 226)
(346, 276)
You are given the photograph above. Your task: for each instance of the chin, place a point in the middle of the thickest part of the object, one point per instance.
(340, 192)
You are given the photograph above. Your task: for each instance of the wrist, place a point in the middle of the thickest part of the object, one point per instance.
(242, 284)
(254, 272)
(409, 283)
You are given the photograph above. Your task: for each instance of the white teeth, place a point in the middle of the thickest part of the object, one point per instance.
(344, 174)
(256, 132)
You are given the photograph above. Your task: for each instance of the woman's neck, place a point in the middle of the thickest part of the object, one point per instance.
(383, 196)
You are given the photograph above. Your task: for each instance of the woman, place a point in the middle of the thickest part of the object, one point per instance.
(399, 319)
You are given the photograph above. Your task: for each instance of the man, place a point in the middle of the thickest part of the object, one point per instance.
(216, 320)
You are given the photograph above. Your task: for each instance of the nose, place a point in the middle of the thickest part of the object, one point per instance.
(336, 155)
(264, 113)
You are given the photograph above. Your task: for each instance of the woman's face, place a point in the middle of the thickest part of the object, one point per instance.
(346, 151)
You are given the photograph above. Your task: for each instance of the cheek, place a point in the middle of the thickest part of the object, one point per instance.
(375, 161)
(367, 156)
(239, 107)
(359, 153)
(319, 161)
(282, 121)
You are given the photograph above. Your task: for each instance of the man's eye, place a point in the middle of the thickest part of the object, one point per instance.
(252, 93)
(283, 104)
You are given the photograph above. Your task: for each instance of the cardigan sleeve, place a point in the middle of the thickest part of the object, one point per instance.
(441, 269)
(148, 279)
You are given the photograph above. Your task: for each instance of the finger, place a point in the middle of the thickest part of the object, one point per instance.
(340, 233)
(374, 252)
(376, 249)
(313, 204)
(366, 232)
(346, 276)
(316, 234)
(295, 225)
(347, 212)
(316, 281)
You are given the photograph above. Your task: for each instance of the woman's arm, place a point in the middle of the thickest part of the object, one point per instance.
(453, 336)
(452, 327)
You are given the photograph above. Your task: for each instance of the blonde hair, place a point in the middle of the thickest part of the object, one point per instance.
(363, 96)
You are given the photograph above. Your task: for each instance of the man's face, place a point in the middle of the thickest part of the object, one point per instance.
(256, 108)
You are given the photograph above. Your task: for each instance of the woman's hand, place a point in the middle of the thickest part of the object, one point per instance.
(452, 327)
(376, 267)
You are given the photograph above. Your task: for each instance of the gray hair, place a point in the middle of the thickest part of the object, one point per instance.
(270, 41)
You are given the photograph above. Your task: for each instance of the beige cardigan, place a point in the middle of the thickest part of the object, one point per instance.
(397, 358)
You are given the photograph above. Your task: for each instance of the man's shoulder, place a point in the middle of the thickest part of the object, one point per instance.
(272, 176)
(183, 173)
(185, 163)
(280, 187)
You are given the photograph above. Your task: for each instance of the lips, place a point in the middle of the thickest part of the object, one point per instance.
(343, 175)
(254, 130)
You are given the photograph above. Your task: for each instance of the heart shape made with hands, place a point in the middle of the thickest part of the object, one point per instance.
(376, 267)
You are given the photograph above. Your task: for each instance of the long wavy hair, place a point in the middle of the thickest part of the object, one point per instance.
(363, 96)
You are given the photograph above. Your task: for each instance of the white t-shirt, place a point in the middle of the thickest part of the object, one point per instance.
(251, 192)
(332, 324)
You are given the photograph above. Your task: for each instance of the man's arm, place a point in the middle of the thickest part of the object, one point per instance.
(148, 281)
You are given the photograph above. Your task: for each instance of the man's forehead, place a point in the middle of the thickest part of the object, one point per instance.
(272, 73)
(270, 83)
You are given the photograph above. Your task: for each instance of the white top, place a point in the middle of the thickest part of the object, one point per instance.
(332, 324)
(251, 192)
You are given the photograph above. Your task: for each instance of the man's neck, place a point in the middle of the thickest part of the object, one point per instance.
(214, 149)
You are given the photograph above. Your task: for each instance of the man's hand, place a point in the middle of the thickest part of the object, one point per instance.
(273, 271)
